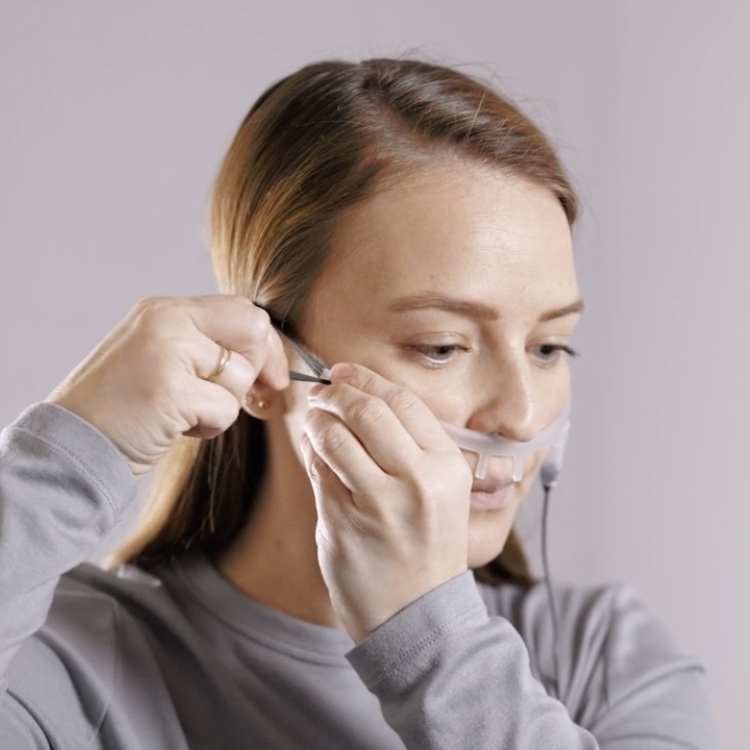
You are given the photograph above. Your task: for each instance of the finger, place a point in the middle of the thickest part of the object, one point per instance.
(236, 323)
(276, 359)
(411, 411)
(208, 410)
(335, 505)
(324, 481)
(232, 371)
(335, 444)
(374, 424)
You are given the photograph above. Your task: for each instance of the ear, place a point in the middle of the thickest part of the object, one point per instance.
(263, 403)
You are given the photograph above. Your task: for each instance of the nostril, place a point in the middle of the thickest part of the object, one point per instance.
(518, 432)
(512, 417)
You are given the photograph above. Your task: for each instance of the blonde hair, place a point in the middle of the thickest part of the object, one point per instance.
(312, 146)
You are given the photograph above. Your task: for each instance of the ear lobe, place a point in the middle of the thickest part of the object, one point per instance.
(260, 406)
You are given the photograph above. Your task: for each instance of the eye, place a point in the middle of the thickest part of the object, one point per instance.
(549, 354)
(436, 355)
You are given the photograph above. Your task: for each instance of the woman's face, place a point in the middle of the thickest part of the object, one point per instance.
(458, 284)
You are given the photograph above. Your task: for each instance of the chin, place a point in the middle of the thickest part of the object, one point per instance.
(488, 532)
(489, 528)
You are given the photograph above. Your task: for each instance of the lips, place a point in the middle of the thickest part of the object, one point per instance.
(491, 493)
(491, 485)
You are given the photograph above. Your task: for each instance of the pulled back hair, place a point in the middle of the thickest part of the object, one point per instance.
(315, 144)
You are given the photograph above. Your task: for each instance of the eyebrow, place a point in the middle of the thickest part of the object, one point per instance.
(476, 310)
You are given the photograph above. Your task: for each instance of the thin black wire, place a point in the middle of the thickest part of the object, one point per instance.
(312, 361)
(550, 594)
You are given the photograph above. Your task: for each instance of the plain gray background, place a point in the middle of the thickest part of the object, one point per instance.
(114, 116)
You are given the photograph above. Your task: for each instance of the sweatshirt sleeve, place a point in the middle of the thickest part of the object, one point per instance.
(449, 675)
(63, 485)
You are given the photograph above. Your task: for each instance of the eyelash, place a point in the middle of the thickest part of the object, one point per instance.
(424, 350)
(555, 351)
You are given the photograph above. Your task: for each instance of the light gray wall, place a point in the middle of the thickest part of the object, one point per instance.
(676, 395)
(113, 118)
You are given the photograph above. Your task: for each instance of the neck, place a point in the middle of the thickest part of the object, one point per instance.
(274, 558)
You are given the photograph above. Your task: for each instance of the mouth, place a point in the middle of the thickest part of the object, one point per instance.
(491, 493)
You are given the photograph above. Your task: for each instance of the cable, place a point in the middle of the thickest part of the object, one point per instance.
(550, 595)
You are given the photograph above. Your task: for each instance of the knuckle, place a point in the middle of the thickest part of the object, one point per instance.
(242, 300)
(402, 400)
(365, 378)
(151, 304)
(365, 411)
(331, 438)
(315, 420)
(316, 467)
(259, 324)
(151, 312)
(147, 302)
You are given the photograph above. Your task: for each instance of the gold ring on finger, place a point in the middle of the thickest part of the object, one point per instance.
(222, 365)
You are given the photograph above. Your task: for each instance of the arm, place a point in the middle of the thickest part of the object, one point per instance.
(642, 690)
(62, 487)
(392, 495)
(449, 675)
(67, 466)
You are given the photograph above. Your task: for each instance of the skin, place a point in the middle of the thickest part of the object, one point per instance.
(150, 381)
(367, 504)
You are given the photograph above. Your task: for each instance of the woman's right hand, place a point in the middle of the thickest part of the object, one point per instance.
(147, 383)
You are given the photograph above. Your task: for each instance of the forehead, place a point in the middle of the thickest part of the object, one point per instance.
(456, 229)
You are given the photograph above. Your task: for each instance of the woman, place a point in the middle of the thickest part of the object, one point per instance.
(326, 566)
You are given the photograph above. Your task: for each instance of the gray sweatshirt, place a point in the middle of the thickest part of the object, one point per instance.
(181, 659)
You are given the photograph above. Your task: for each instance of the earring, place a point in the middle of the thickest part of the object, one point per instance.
(261, 403)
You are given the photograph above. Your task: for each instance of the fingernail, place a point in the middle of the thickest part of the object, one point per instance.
(341, 371)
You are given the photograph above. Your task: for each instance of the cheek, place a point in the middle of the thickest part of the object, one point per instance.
(531, 467)
(445, 398)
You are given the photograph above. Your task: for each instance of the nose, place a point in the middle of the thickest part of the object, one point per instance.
(506, 404)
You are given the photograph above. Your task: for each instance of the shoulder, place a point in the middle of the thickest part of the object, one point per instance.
(592, 613)
(97, 618)
(68, 674)
(91, 608)
(91, 601)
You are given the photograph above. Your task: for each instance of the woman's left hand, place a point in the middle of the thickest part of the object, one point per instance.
(392, 492)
